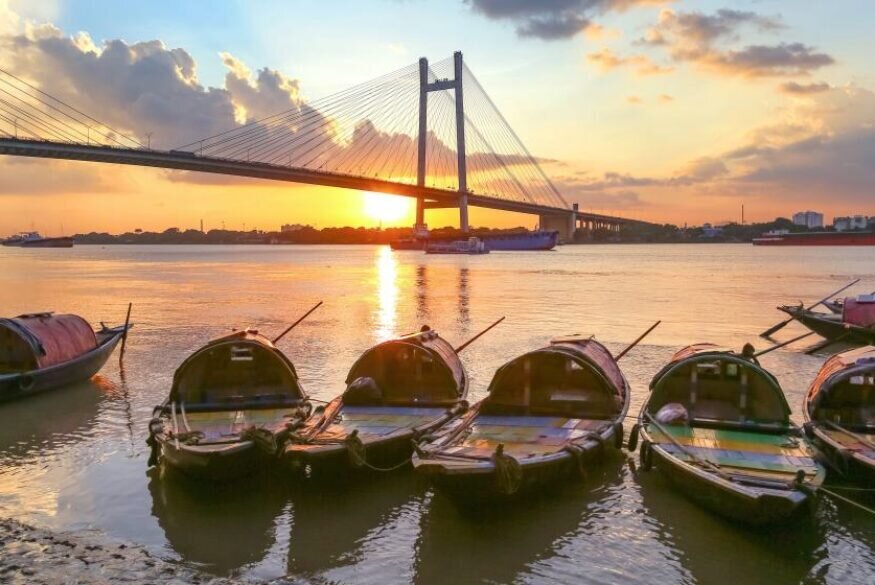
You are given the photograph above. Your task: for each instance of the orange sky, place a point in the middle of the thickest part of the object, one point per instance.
(674, 112)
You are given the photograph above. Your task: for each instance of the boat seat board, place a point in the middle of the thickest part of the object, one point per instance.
(228, 424)
(522, 436)
(374, 422)
(739, 449)
(849, 442)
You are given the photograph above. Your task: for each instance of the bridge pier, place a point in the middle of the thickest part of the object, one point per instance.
(564, 223)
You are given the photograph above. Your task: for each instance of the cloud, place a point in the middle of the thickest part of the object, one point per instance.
(664, 98)
(794, 88)
(606, 60)
(701, 39)
(552, 20)
(634, 100)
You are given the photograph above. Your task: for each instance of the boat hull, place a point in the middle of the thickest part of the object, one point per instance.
(213, 462)
(336, 458)
(525, 242)
(818, 239)
(853, 466)
(476, 484)
(19, 385)
(830, 328)
(757, 507)
(64, 242)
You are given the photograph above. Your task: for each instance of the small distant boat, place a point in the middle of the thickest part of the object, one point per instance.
(718, 426)
(839, 412)
(816, 239)
(227, 399)
(396, 391)
(541, 240)
(550, 414)
(34, 240)
(44, 351)
(855, 323)
(472, 245)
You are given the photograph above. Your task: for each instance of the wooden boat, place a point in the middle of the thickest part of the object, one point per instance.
(396, 391)
(737, 452)
(44, 351)
(235, 392)
(550, 414)
(854, 324)
(839, 412)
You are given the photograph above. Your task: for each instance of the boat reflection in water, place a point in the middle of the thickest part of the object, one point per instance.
(510, 543)
(223, 527)
(360, 532)
(45, 423)
(710, 547)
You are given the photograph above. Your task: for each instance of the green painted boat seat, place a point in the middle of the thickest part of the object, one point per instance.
(740, 451)
(521, 436)
(379, 421)
(226, 425)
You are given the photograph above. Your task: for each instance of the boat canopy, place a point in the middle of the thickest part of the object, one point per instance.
(417, 369)
(859, 310)
(240, 370)
(41, 340)
(575, 377)
(717, 385)
(844, 390)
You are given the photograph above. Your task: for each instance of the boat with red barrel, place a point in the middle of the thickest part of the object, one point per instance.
(44, 351)
(782, 238)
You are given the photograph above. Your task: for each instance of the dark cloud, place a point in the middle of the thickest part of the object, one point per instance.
(795, 88)
(786, 59)
(551, 19)
(700, 38)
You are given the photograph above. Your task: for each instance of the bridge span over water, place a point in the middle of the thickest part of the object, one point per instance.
(426, 131)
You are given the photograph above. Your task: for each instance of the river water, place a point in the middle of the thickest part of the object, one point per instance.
(76, 458)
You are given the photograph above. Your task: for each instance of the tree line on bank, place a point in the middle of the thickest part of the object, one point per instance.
(629, 233)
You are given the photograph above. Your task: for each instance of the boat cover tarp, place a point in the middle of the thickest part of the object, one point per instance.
(573, 377)
(833, 396)
(719, 391)
(859, 311)
(241, 370)
(42, 340)
(420, 369)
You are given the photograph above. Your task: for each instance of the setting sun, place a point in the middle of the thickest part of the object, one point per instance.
(387, 208)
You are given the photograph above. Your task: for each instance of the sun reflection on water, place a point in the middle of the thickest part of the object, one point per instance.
(387, 293)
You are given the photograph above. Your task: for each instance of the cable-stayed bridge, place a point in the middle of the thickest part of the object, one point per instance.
(427, 131)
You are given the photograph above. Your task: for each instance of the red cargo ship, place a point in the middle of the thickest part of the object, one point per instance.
(817, 239)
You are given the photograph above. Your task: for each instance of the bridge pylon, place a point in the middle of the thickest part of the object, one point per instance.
(425, 87)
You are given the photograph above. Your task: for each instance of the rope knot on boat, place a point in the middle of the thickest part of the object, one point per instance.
(508, 473)
(356, 449)
(189, 437)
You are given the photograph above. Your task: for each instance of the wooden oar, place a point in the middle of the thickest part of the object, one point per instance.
(121, 353)
(703, 462)
(782, 344)
(783, 324)
(637, 341)
(478, 336)
(863, 440)
(293, 325)
(826, 343)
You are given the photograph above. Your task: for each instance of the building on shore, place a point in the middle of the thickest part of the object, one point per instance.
(809, 219)
(289, 228)
(852, 222)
